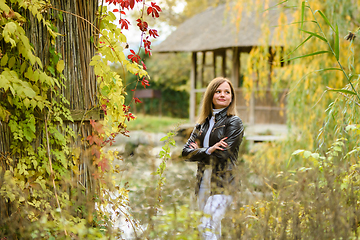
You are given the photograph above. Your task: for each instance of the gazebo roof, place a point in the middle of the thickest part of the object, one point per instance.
(215, 29)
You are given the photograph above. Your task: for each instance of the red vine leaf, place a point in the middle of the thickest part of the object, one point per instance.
(104, 164)
(90, 139)
(142, 25)
(144, 66)
(132, 4)
(154, 10)
(124, 23)
(133, 56)
(103, 107)
(153, 33)
(147, 45)
(125, 108)
(95, 151)
(145, 82)
(137, 100)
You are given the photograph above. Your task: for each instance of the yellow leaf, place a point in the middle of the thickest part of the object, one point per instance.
(60, 66)
(4, 7)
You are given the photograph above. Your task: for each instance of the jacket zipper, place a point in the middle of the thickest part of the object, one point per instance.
(218, 127)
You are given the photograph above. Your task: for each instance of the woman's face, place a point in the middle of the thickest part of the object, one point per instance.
(222, 96)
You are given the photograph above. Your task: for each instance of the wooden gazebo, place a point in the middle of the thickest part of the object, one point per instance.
(214, 32)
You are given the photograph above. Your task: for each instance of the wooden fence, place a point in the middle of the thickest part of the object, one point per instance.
(75, 44)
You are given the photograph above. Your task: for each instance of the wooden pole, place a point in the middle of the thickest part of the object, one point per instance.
(214, 63)
(235, 75)
(202, 80)
(193, 75)
(223, 65)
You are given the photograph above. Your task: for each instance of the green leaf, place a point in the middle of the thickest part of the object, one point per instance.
(4, 60)
(164, 138)
(325, 18)
(4, 83)
(35, 163)
(308, 55)
(304, 169)
(315, 155)
(328, 69)
(307, 154)
(51, 70)
(343, 91)
(105, 91)
(275, 5)
(29, 134)
(300, 45)
(96, 58)
(298, 152)
(315, 35)
(11, 62)
(61, 16)
(23, 67)
(336, 47)
(4, 114)
(302, 14)
(351, 127)
(352, 76)
(38, 60)
(26, 102)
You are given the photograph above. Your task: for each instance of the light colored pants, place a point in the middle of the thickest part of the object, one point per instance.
(213, 206)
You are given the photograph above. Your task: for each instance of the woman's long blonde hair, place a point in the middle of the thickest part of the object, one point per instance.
(207, 105)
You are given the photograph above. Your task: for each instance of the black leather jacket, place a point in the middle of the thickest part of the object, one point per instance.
(223, 162)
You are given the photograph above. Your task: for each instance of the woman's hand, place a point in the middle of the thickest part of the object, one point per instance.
(221, 145)
(194, 145)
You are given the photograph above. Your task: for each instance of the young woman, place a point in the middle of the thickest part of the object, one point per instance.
(214, 145)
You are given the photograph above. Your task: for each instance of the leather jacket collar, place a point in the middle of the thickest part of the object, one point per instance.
(219, 115)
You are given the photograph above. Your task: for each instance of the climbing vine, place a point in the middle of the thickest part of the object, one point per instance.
(39, 164)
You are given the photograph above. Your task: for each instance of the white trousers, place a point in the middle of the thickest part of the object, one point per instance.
(214, 208)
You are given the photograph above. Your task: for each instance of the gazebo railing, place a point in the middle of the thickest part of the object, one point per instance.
(261, 106)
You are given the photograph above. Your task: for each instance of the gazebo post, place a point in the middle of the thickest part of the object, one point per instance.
(223, 66)
(193, 75)
(214, 63)
(235, 67)
(202, 80)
